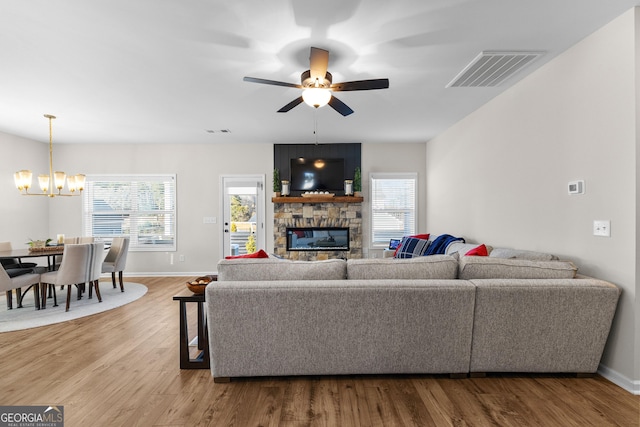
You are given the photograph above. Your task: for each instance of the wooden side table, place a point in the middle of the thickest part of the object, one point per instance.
(202, 360)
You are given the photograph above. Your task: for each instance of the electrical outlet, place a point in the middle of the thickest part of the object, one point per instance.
(602, 228)
(181, 258)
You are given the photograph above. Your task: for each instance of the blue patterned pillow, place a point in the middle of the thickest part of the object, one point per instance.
(411, 247)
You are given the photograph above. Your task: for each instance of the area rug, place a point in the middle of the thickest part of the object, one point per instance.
(28, 317)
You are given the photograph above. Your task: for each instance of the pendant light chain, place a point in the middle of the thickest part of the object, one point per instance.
(51, 184)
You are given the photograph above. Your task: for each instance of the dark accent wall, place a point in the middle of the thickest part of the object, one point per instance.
(283, 153)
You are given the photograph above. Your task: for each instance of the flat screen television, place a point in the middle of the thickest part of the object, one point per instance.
(317, 174)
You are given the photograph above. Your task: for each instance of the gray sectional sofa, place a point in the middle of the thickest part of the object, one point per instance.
(441, 314)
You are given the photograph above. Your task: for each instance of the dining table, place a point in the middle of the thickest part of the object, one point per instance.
(50, 252)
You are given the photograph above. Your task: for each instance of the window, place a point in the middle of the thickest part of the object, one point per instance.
(142, 207)
(393, 206)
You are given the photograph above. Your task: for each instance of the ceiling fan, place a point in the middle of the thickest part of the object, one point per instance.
(318, 86)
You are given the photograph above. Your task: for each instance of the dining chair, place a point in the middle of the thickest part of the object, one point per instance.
(28, 280)
(9, 263)
(78, 240)
(96, 269)
(75, 269)
(73, 241)
(116, 260)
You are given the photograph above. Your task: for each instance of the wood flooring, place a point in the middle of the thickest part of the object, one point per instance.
(121, 368)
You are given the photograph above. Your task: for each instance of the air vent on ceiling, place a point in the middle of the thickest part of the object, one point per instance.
(492, 68)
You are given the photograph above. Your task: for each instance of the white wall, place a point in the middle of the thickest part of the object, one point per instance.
(637, 111)
(22, 218)
(391, 158)
(500, 175)
(198, 168)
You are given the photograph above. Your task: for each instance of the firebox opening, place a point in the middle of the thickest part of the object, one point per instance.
(318, 239)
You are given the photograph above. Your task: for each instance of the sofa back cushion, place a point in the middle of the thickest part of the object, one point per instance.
(471, 267)
(426, 267)
(520, 254)
(278, 269)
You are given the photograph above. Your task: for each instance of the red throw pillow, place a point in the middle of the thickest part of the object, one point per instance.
(478, 251)
(259, 254)
(417, 236)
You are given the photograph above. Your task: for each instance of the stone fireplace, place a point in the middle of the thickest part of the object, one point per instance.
(295, 212)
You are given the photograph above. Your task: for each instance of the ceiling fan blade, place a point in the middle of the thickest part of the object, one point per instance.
(361, 85)
(318, 63)
(340, 106)
(290, 105)
(271, 82)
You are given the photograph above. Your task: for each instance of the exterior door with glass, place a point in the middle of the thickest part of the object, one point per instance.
(243, 214)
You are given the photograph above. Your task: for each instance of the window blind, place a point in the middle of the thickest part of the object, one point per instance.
(393, 207)
(142, 207)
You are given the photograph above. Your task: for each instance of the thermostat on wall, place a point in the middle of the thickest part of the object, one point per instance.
(576, 187)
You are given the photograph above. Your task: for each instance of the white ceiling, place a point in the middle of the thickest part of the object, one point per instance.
(123, 71)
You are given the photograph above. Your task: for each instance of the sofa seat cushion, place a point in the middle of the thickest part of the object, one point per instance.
(471, 267)
(430, 267)
(267, 269)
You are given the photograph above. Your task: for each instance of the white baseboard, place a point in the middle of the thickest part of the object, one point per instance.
(163, 274)
(620, 380)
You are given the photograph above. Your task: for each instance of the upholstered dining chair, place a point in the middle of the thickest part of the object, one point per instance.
(116, 259)
(78, 240)
(28, 280)
(96, 269)
(76, 269)
(73, 241)
(13, 262)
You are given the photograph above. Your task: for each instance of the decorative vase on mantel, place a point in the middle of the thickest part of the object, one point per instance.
(348, 187)
(285, 188)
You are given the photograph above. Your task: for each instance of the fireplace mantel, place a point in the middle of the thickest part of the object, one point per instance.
(337, 199)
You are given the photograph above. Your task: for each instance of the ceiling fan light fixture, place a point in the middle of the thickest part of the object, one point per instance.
(316, 97)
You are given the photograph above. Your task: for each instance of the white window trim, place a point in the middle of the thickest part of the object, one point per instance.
(134, 246)
(391, 175)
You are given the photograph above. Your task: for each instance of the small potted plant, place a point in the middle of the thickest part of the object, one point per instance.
(357, 182)
(276, 182)
(37, 244)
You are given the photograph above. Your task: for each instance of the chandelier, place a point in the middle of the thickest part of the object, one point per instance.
(53, 181)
